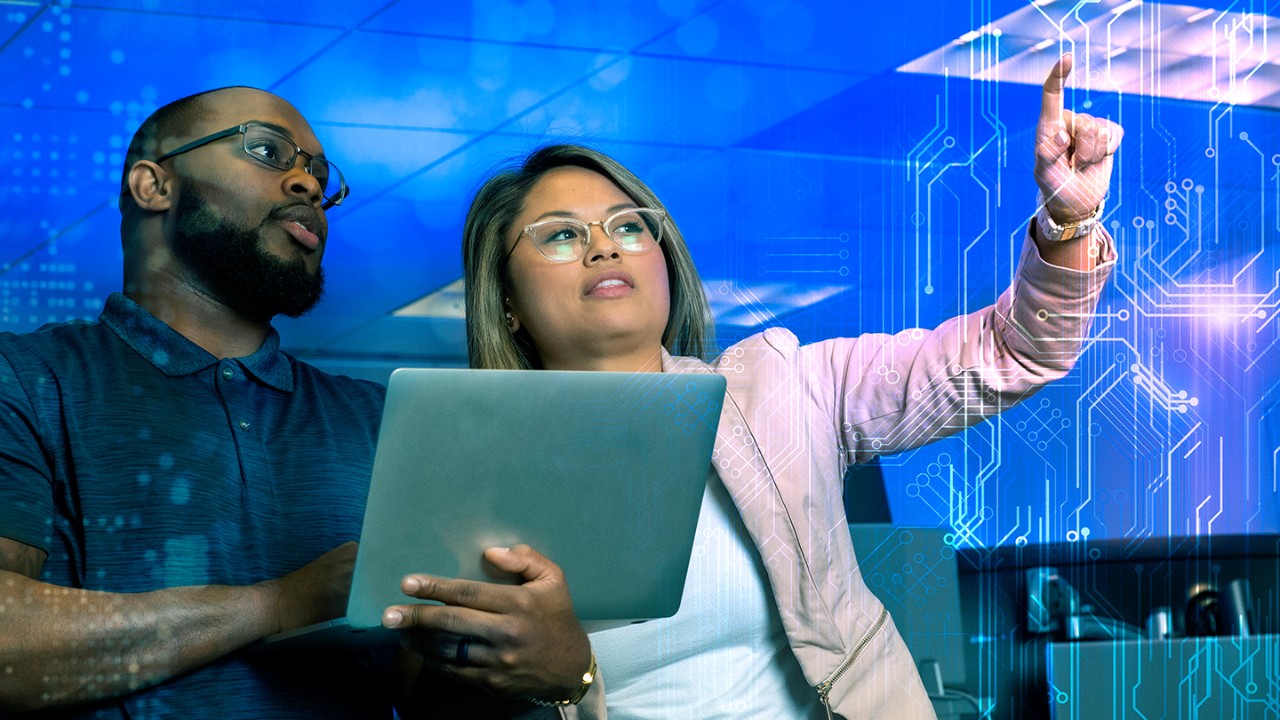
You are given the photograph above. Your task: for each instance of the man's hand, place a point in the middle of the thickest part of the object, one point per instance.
(1073, 152)
(519, 640)
(314, 592)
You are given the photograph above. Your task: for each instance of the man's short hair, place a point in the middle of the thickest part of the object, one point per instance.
(175, 118)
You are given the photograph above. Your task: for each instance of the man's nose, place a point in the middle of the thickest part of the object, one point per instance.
(299, 182)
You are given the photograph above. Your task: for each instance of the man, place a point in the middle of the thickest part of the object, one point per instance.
(174, 488)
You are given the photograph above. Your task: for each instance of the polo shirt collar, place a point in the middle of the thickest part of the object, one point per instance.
(176, 356)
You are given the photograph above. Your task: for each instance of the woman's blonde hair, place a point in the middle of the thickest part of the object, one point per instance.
(690, 328)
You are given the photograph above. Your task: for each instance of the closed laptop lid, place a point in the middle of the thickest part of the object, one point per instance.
(601, 472)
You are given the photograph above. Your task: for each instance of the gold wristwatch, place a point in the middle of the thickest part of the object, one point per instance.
(1053, 232)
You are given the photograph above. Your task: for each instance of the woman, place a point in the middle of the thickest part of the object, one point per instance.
(573, 264)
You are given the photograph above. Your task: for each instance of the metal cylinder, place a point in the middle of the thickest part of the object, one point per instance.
(1236, 608)
(1160, 623)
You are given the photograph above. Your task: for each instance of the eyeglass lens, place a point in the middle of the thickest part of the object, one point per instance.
(633, 231)
(278, 151)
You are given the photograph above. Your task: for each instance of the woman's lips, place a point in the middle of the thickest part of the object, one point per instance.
(612, 284)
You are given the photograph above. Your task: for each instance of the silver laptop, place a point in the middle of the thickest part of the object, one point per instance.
(601, 472)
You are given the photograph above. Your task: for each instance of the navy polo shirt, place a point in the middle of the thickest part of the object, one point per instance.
(139, 461)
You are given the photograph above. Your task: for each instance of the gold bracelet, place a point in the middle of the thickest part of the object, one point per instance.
(588, 677)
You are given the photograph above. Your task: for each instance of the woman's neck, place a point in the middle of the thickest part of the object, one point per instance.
(647, 359)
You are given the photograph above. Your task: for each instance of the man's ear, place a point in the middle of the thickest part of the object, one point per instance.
(150, 186)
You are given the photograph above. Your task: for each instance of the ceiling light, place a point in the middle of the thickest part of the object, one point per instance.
(733, 303)
(1127, 7)
(1165, 50)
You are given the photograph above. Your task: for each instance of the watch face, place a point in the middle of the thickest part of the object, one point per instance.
(1080, 229)
(1054, 232)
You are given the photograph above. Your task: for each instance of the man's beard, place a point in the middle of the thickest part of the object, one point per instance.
(234, 267)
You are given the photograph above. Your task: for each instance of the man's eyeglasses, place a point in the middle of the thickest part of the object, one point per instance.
(560, 240)
(279, 151)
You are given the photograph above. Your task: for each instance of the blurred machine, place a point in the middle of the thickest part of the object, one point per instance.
(913, 572)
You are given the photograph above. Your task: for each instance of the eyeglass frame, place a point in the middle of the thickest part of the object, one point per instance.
(659, 213)
(243, 129)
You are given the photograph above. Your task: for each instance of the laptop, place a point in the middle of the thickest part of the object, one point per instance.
(601, 472)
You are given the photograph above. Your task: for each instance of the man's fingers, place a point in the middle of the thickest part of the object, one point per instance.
(445, 647)
(490, 597)
(477, 669)
(524, 561)
(1051, 101)
(441, 619)
(479, 676)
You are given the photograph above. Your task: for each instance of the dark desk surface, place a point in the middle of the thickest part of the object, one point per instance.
(1215, 547)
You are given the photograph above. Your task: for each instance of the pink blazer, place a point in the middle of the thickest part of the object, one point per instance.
(796, 416)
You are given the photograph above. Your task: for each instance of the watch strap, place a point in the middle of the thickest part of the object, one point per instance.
(1055, 232)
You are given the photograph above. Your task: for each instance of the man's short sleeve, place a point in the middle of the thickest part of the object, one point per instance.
(26, 485)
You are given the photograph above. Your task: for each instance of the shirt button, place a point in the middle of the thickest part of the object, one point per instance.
(244, 425)
(228, 373)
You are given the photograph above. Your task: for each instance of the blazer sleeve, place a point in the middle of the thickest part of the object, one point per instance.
(885, 393)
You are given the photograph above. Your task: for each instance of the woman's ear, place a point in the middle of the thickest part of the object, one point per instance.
(513, 321)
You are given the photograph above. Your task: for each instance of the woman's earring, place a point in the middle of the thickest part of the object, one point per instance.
(512, 324)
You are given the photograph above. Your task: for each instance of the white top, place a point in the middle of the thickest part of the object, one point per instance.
(724, 654)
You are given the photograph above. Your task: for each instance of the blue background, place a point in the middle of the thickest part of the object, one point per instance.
(819, 187)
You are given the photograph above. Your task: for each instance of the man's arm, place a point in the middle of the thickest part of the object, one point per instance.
(65, 646)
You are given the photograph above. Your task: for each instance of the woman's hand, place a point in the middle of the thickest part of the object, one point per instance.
(520, 641)
(1073, 153)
